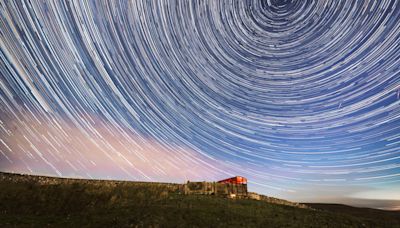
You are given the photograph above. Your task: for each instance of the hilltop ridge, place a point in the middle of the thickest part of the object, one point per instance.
(38, 201)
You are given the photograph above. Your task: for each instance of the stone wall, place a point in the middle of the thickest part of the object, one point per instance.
(44, 180)
(256, 196)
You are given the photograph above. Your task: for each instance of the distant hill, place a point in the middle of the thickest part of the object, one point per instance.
(36, 201)
(356, 211)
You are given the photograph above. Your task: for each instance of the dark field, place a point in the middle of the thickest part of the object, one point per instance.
(27, 201)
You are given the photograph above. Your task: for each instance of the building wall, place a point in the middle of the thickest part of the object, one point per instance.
(214, 188)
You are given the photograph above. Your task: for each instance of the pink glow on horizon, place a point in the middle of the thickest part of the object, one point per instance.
(99, 151)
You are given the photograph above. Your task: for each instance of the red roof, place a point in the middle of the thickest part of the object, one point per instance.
(234, 180)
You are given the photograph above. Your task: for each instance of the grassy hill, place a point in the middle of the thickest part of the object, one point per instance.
(33, 201)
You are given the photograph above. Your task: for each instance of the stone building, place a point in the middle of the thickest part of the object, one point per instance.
(235, 187)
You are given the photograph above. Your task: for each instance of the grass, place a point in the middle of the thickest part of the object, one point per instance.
(29, 203)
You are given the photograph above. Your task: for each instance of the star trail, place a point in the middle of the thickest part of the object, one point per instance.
(299, 96)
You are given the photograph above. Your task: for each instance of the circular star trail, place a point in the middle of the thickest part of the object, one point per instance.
(288, 93)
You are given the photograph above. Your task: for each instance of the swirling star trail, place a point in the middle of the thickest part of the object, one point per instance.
(299, 96)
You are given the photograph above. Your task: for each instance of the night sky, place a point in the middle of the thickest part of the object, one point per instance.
(301, 97)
